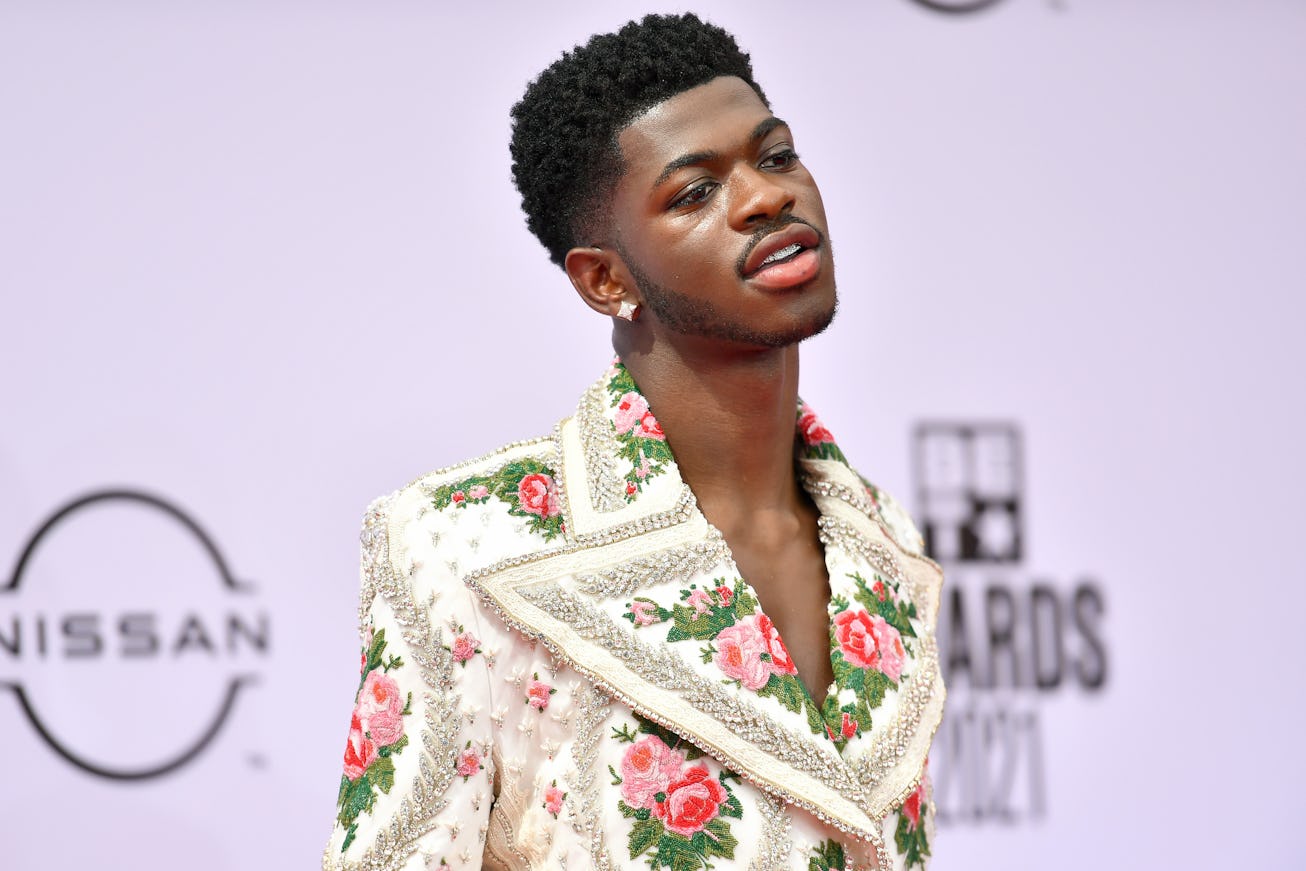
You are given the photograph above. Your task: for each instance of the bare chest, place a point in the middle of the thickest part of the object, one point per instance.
(793, 590)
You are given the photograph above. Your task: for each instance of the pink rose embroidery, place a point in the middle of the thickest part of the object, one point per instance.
(469, 762)
(360, 751)
(878, 589)
(465, 646)
(380, 708)
(458, 497)
(889, 642)
(645, 612)
(649, 428)
(692, 802)
(647, 768)
(739, 654)
(537, 494)
(700, 601)
(869, 642)
(553, 798)
(726, 594)
(480, 491)
(781, 663)
(537, 693)
(814, 433)
(631, 409)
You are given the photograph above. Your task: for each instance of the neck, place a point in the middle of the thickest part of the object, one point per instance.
(729, 420)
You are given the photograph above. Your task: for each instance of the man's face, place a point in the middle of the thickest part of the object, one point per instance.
(720, 224)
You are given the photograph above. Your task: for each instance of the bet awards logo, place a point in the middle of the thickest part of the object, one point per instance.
(970, 480)
(125, 637)
(1009, 642)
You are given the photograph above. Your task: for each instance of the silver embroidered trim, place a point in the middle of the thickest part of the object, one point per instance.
(636, 574)
(599, 443)
(877, 514)
(666, 670)
(872, 835)
(890, 746)
(395, 843)
(843, 493)
(774, 842)
(843, 534)
(585, 753)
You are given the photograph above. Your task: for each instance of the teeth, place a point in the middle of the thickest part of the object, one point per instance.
(787, 251)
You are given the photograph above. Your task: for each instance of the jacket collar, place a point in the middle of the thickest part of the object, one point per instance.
(635, 533)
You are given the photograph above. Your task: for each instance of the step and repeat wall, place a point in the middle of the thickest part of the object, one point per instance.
(264, 262)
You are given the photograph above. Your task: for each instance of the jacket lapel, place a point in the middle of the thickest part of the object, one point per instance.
(875, 580)
(645, 600)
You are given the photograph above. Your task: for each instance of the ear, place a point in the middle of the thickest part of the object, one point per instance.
(601, 279)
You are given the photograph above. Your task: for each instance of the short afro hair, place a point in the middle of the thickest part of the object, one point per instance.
(565, 156)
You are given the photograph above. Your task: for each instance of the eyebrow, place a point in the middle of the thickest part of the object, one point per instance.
(696, 157)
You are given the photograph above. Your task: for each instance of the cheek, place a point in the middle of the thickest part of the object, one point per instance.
(688, 254)
(811, 207)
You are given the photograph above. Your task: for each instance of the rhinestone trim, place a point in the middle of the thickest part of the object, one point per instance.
(599, 441)
(585, 753)
(774, 843)
(394, 844)
(645, 571)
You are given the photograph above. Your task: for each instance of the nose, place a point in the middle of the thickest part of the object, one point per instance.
(759, 197)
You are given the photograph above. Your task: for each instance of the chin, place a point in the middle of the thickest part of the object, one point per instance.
(818, 323)
(812, 324)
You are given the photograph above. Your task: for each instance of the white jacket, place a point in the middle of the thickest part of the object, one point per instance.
(562, 668)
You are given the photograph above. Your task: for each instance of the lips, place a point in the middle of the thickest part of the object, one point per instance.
(802, 235)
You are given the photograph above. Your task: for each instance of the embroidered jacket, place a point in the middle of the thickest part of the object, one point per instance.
(562, 668)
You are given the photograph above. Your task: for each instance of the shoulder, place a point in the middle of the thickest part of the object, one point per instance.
(473, 514)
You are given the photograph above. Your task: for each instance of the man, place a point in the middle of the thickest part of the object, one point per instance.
(690, 640)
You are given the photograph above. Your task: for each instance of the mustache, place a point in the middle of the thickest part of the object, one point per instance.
(766, 230)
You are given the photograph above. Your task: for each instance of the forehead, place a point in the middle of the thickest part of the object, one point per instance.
(716, 116)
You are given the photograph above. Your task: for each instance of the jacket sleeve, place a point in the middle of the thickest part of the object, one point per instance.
(417, 784)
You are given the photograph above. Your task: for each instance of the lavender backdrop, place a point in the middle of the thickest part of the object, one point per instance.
(264, 261)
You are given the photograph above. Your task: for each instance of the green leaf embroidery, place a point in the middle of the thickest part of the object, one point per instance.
(721, 842)
(721, 610)
(911, 841)
(503, 484)
(877, 684)
(827, 856)
(644, 834)
(732, 806)
(786, 689)
(382, 773)
(815, 721)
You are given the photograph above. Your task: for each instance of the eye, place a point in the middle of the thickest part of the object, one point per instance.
(784, 159)
(695, 195)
